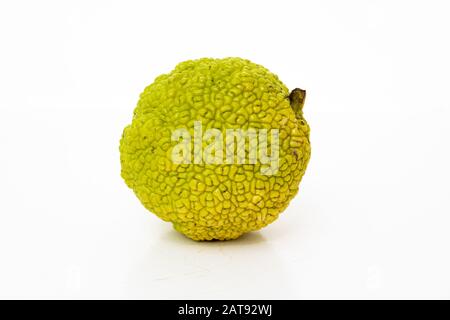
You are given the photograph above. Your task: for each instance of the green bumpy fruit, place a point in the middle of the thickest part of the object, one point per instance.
(215, 201)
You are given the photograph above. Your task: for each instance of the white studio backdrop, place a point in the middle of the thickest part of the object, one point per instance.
(372, 216)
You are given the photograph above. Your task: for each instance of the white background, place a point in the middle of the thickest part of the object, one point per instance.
(372, 216)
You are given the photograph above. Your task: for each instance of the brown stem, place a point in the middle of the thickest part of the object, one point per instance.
(297, 99)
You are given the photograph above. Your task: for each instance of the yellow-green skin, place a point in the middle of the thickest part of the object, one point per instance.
(210, 201)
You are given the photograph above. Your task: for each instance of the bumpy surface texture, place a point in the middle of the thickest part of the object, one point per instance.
(213, 201)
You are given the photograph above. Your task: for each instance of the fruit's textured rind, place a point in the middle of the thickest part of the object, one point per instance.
(214, 201)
